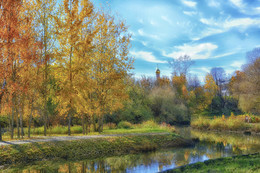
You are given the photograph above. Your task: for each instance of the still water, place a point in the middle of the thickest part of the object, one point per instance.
(212, 145)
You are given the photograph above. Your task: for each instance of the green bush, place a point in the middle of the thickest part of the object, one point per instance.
(124, 125)
(149, 124)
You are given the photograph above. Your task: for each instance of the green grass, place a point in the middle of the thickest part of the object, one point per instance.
(245, 163)
(145, 127)
(87, 149)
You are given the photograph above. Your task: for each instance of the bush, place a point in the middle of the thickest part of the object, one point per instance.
(111, 125)
(124, 125)
(149, 124)
(256, 128)
(201, 123)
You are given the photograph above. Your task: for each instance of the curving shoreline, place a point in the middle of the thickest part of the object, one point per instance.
(88, 148)
(240, 163)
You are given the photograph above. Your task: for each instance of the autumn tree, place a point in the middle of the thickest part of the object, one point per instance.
(74, 17)
(44, 13)
(245, 87)
(111, 64)
(18, 52)
(211, 88)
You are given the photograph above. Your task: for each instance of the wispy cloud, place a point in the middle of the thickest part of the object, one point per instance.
(147, 56)
(198, 51)
(190, 13)
(224, 54)
(231, 22)
(237, 64)
(238, 3)
(142, 33)
(189, 3)
(213, 3)
(165, 18)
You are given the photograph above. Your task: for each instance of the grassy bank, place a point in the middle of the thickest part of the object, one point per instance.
(87, 149)
(121, 128)
(232, 123)
(244, 163)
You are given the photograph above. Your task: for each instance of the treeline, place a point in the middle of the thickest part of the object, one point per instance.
(59, 61)
(175, 100)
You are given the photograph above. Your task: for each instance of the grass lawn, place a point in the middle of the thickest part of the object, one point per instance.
(145, 127)
(244, 163)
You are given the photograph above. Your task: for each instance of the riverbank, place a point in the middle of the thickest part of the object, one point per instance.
(88, 148)
(232, 124)
(242, 163)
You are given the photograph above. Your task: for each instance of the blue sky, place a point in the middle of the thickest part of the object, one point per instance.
(214, 33)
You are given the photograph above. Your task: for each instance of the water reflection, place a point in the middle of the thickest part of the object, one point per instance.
(213, 145)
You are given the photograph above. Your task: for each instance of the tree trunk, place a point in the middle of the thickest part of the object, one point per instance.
(17, 125)
(12, 123)
(87, 126)
(0, 132)
(21, 123)
(100, 124)
(69, 123)
(94, 123)
(45, 119)
(29, 125)
(83, 124)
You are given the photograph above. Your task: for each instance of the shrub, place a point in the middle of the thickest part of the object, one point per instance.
(76, 129)
(124, 125)
(256, 128)
(201, 123)
(149, 124)
(217, 124)
(111, 125)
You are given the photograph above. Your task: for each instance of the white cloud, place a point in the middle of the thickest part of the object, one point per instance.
(213, 3)
(142, 33)
(141, 21)
(238, 3)
(189, 3)
(190, 13)
(202, 69)
(237, 64)
(145, 43)
(165, 18)
(147, 56)
(199, 51)
(245, 7)
(208, 32)
(152, 22)
(223, 55)
(230, 23)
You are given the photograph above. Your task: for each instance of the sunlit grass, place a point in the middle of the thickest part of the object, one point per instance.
(232, 123)
(145, 127)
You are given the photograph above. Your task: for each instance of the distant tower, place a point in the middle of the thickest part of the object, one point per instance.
(157, 73)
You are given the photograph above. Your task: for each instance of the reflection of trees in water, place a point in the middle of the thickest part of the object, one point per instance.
(242, 143)
(213, 145)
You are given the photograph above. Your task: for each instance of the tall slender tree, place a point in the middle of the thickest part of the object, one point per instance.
(74, 17)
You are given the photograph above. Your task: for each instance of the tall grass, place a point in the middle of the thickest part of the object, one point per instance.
(232, 123)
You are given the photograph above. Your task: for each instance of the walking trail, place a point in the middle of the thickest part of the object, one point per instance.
(70, 138)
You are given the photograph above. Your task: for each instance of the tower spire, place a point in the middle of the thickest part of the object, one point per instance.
(157, 72)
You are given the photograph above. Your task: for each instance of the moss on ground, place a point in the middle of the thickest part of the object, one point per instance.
(87, 148)
(244, 163)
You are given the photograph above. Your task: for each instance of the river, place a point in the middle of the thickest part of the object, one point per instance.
(212, 145)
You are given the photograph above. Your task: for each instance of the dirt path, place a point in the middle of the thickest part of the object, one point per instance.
(70, 138)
